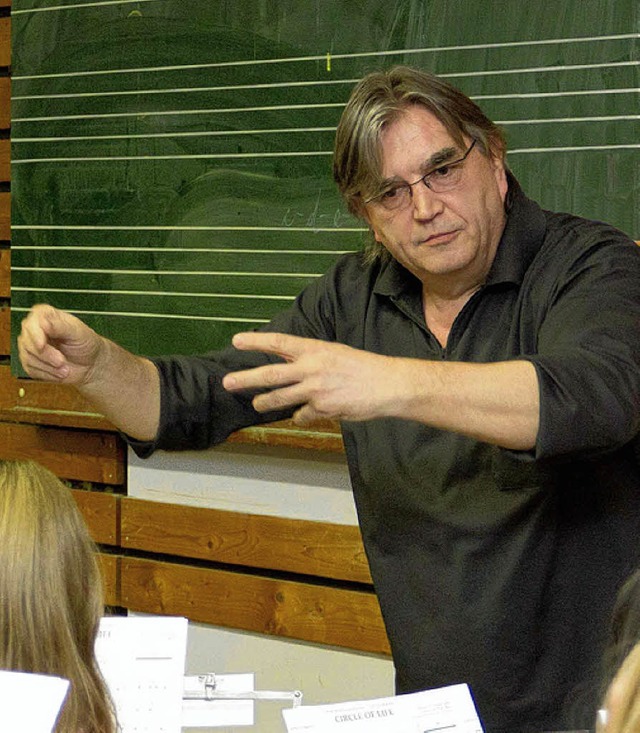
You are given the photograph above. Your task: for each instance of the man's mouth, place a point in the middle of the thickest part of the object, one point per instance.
(439, 238)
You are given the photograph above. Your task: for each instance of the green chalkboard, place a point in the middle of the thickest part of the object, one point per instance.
(171, 158)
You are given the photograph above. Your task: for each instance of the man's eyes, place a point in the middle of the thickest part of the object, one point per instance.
(391, 193)
(442, 172)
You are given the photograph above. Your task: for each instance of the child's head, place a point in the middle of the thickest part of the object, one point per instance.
(51, 590)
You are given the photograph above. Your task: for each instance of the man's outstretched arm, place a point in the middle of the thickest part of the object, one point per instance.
(496, 403)
(55, 346)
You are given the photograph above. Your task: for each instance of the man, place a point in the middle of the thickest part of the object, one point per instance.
(484, 359)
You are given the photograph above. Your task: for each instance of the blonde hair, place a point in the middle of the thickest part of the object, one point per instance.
(377, 101)
(51, 592)
(624, 629)
(622, 703)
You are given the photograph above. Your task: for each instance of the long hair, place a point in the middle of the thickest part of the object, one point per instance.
(624, 630)
(622, 702)
(377, 101)
(51, 597)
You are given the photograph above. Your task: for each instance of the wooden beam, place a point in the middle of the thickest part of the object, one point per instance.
(5, 102)
(322, 436)
(292, 545)
(5, 216)
(5, 157)
(110, 566)
(5, 273)
(5, 331)
(26, 400)
(71, 454)
(314, 613)
(101, 514)
(5, 41)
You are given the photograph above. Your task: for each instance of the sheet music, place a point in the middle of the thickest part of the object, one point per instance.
(445, 708)
(30, 703)
(142, 660)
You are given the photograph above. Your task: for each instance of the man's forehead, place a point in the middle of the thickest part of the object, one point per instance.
(418, 138)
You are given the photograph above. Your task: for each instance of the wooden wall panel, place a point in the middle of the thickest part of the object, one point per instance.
(25, 400)
(5, 273)
(72, 454)
(5, 216)
(110, 566)
(5, 167)
(101, 513)
(314, 613)
(5, 102)
(322, 436)
(298, 546)
(5, 331)
(5, 41)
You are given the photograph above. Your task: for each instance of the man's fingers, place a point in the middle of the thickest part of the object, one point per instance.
(306, 415)
(36, 351)
(279, 344)
(279, 399)
(269, 376)
(46, 372)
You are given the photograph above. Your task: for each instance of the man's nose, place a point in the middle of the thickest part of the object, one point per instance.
(426, 203)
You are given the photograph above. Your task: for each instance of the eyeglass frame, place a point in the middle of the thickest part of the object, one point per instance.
(424, 179)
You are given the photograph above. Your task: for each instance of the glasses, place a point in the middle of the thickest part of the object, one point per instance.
(440, 180)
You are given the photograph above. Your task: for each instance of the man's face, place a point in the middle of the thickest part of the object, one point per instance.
(445, 239)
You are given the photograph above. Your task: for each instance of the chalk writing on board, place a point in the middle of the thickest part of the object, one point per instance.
(315, 220)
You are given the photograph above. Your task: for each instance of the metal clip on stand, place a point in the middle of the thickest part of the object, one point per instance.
(207, 690)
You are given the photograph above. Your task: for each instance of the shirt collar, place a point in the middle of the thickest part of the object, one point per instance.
(521, 239)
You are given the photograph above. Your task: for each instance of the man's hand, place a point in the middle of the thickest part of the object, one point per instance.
(324, 380)
(496, 403)
(55, 346)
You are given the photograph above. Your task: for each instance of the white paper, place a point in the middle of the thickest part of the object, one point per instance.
(449, 709)
(30, 703)
(218, 713)
(142, 660)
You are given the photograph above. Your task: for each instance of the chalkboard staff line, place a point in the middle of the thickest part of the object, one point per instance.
(334, 56)
(190, 90)
(181, 250)
(175, 112)
(219, 110)
(126, 314)
(510, 95)
(317, 83)
(194, 156)
(573, 148)
(160, 293)
(205, 133)
(180, 228)
(565, 93)
(284, 154)
(76, 6)
(292, 130)
(278, 85)
(196, 273)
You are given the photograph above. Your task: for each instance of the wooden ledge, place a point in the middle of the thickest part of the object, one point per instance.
(71, 454)
(274, 543)
(312, 613)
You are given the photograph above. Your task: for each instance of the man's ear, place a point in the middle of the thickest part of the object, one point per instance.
(500, 173)
(363, 214)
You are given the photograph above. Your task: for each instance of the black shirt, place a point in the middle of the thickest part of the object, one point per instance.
(492, 567)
